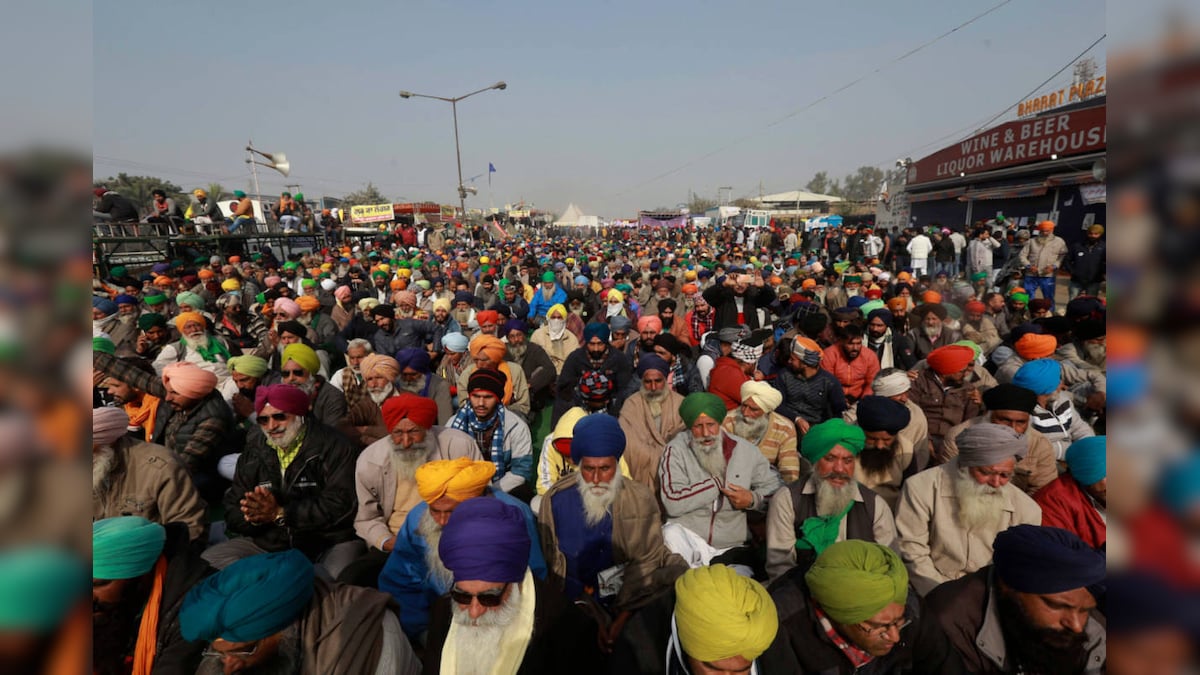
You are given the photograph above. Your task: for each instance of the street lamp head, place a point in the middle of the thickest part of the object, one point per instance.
(406, 94)
(500, 85)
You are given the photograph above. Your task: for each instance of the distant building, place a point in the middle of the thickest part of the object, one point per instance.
(797, 204)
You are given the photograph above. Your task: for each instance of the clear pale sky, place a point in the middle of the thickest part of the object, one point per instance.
(603, 97)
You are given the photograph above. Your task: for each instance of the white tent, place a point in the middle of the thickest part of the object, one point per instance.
(570, 217)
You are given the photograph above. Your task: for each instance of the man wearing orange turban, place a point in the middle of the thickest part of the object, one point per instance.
(414, 573)
(1033, 346)
(320, 322)
(489, 322)
(943, 392)
(491, 352)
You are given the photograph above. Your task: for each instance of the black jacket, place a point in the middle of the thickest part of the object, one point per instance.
(616, 366)
(316, 493)
(721, 298)
(116, 205)
(185, 568)
(1085, 261)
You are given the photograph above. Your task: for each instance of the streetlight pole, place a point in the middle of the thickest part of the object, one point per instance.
(453, 101)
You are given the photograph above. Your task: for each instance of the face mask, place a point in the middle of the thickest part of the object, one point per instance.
(612, 310)
(557, 326)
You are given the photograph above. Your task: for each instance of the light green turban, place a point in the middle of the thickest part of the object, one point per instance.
(702, 402)
(821, 438)
(190, 299)
(103, 344)
(252, 366)
(125, 547)
(38, 586)
(852, 580)
(721, 614)
(303, 355)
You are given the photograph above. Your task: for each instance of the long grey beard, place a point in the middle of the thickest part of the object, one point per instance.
(931, 332)
(517, 352)
(428, 528)
(832, 499)
(477, 647)
(598, 498)
(979, 506)
(308, 387)
(406, 461)
(285, 662)
(199, 342)
(655, 399)
(461, 316)
(381, 395)
(127, 319)
(413, 387)
(751, 430)
(710, 456)
(102, 465)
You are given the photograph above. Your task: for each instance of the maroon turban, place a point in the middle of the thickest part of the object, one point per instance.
(422, 411)
(284, 397)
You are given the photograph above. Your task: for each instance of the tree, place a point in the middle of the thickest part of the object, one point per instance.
(699, 205)
(863, 185)
(819, 184)
(743, 203)
(368, 195)
(215, 191)
(138, 189)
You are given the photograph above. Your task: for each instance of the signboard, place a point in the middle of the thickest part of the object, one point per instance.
(1022, 142)
(646, 219)
(518, 213)
(371, 213)
(447, 213)
(1080, 91)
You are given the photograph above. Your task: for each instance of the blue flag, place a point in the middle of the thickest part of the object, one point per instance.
(491, 168)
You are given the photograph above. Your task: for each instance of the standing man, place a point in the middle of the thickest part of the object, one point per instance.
(1040, 258)
(919, 249)
(1086, 263)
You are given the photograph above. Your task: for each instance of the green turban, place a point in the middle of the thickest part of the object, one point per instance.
(239, 194)
(703, 402)
(251, 366)
(155, 299)
(306, 357)
(150, 320)
(852, 580)
(1020, 297)
(103, 344)
(291, 265)
(379, 273)
(38, 586)
(821, 438)
(972, 345)
(190, 299)
(547, 276)
(307, 283)
(117, 271)
(125, 547)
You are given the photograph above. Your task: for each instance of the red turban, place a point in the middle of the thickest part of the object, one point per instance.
(284, 397)
(187, 379)
(874, 294)
(488, 316)
(950, 359)
(975, 306)
(1033, 346)
(422, 411)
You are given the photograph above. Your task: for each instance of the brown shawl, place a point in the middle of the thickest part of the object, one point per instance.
(644, 440)
(342, 632)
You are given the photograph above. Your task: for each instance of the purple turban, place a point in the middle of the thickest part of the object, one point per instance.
(486, 540)
(515, 324)
(285, 397)
(415, 358)
(652, 362)
(884, 315)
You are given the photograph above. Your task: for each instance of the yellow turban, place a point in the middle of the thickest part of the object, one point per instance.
(557, 309)
(303, 355)
(764, 395)
(367, 304)
(230, 285)
(721, 614)
(441, 303)
(614, 294)
(459, 479)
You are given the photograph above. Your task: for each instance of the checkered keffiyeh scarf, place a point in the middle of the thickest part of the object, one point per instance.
(466, 420)
(701, 324)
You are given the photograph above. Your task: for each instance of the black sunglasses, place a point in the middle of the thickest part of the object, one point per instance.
(278, 417)
(491, 598)
(296, 372)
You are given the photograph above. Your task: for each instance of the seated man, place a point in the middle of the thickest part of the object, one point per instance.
(710, 479)
(417, 377)
(497, 617)
(941, 390)
(535, 363)
(385, 475)
(139, 567)
(810, 395)
(722, 622)
(1076, 500)
(729, 373)
(293, 487)
(300, 367)
(1054, 416)
(197, 345)
(950, 514)
(363, 401)
(141, 407)
(888, 456)
(806, 518)
(1013, 406)
(595, 528)
(271, 613)
(854, 612)
(490, 352)
(1031, 611)
(756, 421)
(414, 573)
(501, 436)
(854, 367)
(649, 418)
(134, 478)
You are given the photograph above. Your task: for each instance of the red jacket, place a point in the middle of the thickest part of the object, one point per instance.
(726, 380)
(1065, 505)
(856, 375)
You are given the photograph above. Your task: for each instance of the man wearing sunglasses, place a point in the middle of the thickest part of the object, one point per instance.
(293, 488)
(300, 367)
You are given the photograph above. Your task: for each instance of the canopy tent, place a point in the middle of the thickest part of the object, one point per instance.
(822, 222)
(570, 217)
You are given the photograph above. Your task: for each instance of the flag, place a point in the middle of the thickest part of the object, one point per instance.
(491, 170)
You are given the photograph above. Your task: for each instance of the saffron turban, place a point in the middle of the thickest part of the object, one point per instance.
(490, 346)
(720, 614)
(283, 397)
(1041, 376)
(808, 351)
(931, 298)
(422, 411)
(897, 303)
(38, 587)
(699, 403)
(342, 293)
(652, 362)
(455, 342)
(1087, 460)
(489, 316)
(185, 318)
(189, 299)
(125, 547)
(303, 355)
(764, 395)
(650, 322)
(1042, 559)
(1009, 397)
(442, 304)
(109, 424)
(187, 379)
(150, 320)
(405, 299)
(287, 307)
(308, 304)
(251, 366)
(379, 364)
(415, 358)
(986, 444)
(459, 479)
(823, 437)
(975, 306)
(950, 359)
(880, 413)
(1033, 346)
(253, 598)
(595, 329)
(597, 436)
(486, 540)
(852, 580)
(397, 284)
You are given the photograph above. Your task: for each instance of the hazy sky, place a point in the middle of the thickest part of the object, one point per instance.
(603, 97)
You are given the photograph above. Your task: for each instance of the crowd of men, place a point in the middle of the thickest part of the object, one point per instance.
(678, 454)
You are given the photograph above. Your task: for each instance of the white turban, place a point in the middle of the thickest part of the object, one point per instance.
(764, 395)
(891, 384)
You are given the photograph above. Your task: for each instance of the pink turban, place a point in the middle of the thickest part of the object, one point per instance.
(108, 425)
(287, 307)
(187, 379)
(652, 322)
(272, 281)
(405, 298)
(381, 364)
(284, 397)
(342, 293)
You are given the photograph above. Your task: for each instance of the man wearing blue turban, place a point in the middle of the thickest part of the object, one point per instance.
(597, 354)
(594, 523)
(1076, 500)
(1055, 415)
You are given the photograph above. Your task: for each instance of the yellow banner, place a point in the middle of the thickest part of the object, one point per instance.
(371, 213)
(447, 213)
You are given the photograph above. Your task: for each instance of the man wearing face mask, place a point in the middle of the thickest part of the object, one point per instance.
(554, 338)
(1040, 258)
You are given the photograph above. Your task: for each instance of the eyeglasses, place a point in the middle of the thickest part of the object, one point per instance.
(880, 631)
(295, 372)
(491, 598)
(242, 654)
(278, 417)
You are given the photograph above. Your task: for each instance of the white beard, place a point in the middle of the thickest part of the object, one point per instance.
(308, 387)
(102, 465)
(751, 430)
(289, 435)
(577, 311)
(832, 499)
(517, 352)
(598, 498)
(478, 645)
(931, 332)
(127, 319)
(406, 461)
(979, 506)
(710, 456)
(381, 395)
(1094, 353)
(197, 342)
(655, 399)
(432, 532)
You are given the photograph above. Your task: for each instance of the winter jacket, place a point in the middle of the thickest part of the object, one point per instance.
(407, 333)
(981, 254)
(944, 408)
(724, 304)
(1034, 471)
(1086, 262)
(539, 305)
(616, 366)
(185, 569)
(1065, 504)
(1042, 252)
(147, 480)
(920, 247)
(816, 399)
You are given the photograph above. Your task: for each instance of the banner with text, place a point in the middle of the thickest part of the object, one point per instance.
(371, 213)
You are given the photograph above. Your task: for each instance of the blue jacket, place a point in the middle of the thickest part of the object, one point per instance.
(538, 306)
(405, 575)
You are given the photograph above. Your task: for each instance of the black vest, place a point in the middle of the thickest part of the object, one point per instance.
(860, 519)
